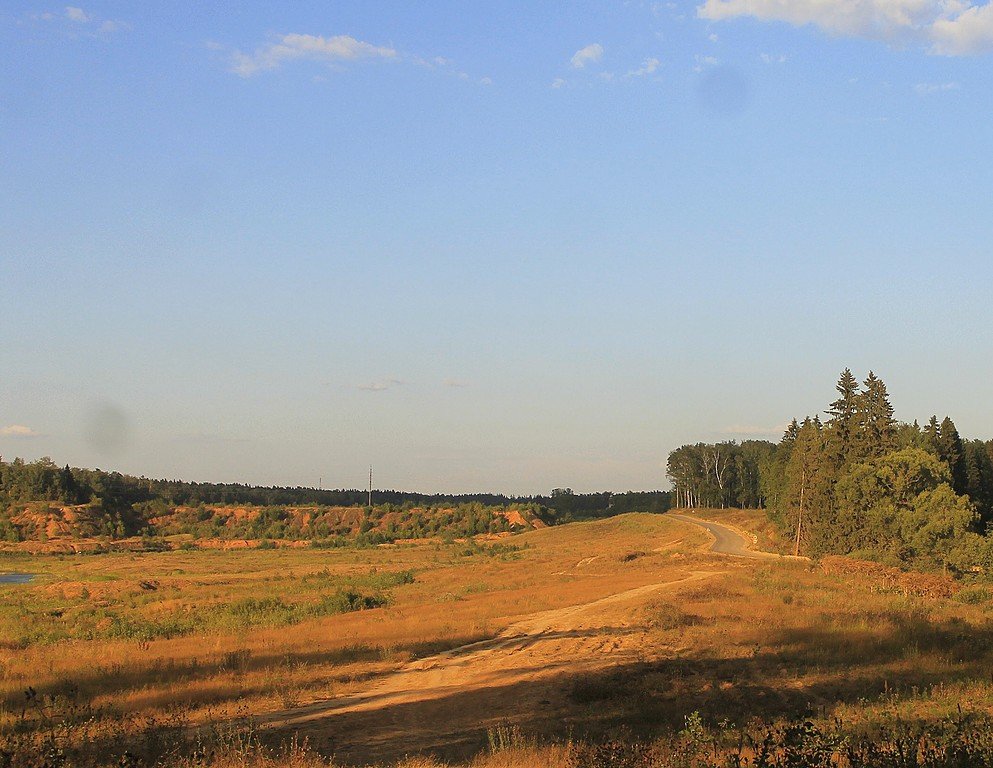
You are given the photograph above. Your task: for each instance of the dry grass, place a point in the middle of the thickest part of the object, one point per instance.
(460, 594)
(758, 639)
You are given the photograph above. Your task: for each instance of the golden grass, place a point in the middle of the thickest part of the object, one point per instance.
(752, 639)
(455, 599)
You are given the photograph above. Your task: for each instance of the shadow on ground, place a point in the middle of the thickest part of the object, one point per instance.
(797, 673)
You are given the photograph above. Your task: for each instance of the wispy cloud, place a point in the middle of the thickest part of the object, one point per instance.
(648, 67)
(18, 430)
(291, 47)
(589, 55)
(945, 27)
(334, 51)
(703, 62)
(77, 22)
(381, 385)
(926, 88)
(446, 65)
(455, 383)
(593, 54)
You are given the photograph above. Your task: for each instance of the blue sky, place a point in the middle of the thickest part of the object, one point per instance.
(507, 247)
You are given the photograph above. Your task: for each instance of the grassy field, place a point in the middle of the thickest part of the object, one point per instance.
(620, 632)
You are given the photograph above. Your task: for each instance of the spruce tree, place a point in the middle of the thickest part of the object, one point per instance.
(950, 451)
(931, 433)
(979, 473)
(876, 425)
(790, 435)
(843, 423)
(68, 492)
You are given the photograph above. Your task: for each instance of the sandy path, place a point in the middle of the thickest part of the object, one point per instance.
(578, 638)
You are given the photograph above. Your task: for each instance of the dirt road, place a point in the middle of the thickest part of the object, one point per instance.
(439, 699)
(446, 702)
(726, 540)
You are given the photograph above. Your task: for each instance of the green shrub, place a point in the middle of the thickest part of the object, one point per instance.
(975, 595)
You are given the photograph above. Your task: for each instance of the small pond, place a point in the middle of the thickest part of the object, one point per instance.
(16, 578)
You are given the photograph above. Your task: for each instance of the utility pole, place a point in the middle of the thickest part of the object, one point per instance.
(370, 486)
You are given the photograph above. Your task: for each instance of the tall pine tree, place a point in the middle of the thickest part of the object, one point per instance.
(843, 424)
(876, 426)
(950, 451)
(931, 433)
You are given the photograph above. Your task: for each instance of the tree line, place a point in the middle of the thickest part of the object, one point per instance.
(719, 475)
(857, 482)
(124, 505)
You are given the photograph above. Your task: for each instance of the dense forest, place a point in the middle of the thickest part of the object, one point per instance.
(92, 502)
(720, 475)
(856, 482)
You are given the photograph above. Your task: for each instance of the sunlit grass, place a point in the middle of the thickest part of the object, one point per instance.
(768, 640)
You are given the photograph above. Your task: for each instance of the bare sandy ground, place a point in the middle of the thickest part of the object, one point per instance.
(442, 700)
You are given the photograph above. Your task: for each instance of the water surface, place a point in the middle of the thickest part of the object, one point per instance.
(16, 578)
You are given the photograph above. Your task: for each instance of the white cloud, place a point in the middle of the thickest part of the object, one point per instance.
(308, 47)
(18, 430)
(382, 385)
(77, 14)
(648, 67)
(926, 88)
(863, 18)
(770, 58)
(948, 27)
(558, 82)
(589, 55)
(486, 81)
(969, 32)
